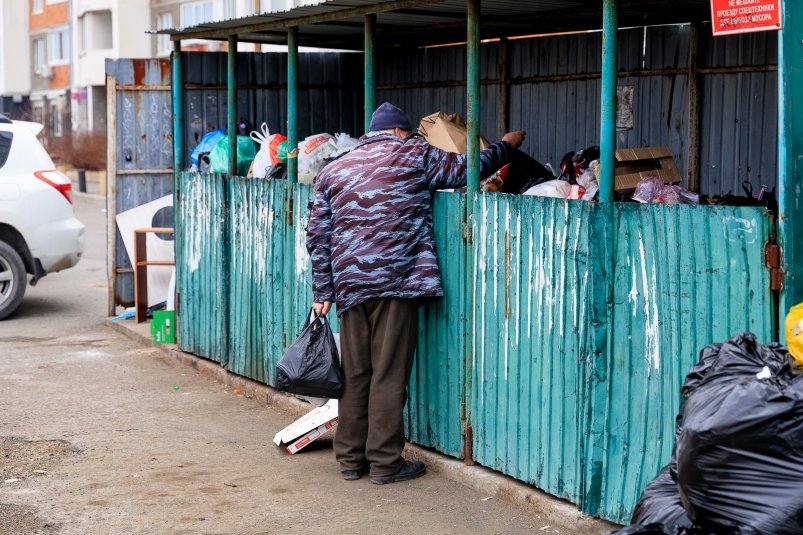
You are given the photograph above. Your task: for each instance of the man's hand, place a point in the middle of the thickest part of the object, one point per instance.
(322, 309)
(515, 138)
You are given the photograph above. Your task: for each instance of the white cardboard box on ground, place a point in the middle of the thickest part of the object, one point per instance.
(313, 425)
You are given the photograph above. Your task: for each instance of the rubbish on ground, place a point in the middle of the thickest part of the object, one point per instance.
(447, 132)
(736, 465)
(651, 190)
(176, 388)
(311, 365)
(268, 154)
(149, 215)
(163, 327)
(310, 427)
(236, 392)
(311, 154)
(129, 314)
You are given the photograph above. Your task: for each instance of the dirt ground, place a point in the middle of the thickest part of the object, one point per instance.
(100, 435)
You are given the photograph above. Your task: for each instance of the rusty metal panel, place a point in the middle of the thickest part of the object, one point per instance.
(436, 405)
(530, 325)
(684, 277)
(140, 154)
(201, 269)
(257, 224)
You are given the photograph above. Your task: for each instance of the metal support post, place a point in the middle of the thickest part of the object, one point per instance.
(178, 111)
(473, 96)
(790, 155)
(292, 105)
(231, 109)
(610, 60)
(369, 53)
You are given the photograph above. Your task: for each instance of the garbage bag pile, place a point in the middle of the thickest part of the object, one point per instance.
(737, 465)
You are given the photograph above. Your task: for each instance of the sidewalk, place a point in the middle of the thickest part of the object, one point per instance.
(541, 511)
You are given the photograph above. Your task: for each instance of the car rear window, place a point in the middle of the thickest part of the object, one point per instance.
(5, 146)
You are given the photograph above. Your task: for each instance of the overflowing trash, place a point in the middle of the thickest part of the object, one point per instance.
(737, 465)
(646, 175)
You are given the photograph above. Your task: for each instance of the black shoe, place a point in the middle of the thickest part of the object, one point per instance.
(409, 470)
(353, 475)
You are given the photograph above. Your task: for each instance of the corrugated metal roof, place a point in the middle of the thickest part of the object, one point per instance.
(340, 22)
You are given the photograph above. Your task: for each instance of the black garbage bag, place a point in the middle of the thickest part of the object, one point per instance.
(658, 529)
(739, 451)
(524, 172)
(311, 366)
(660, 502)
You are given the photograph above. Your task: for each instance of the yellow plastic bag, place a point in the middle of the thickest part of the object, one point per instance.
(794, 332)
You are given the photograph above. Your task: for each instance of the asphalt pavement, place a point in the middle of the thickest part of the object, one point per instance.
(100, 434)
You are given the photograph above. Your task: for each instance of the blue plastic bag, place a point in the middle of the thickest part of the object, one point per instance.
(206, 145)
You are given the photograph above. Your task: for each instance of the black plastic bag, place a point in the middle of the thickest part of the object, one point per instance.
(739, 452)
(311, 366)
(660, 502)
(524, 172)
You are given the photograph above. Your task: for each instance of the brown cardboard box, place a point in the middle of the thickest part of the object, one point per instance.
(634, 164)
(447, 132)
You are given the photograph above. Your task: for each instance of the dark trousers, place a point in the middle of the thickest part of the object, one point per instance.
(378, 340)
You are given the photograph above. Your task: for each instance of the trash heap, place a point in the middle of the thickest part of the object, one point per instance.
(737, 464)
(646, 175)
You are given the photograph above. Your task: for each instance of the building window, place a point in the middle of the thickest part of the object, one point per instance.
(196, 13)
(229, 9)
(37, 6)
(39, 64)
(163, 22)
(58, 47)
(55, 121)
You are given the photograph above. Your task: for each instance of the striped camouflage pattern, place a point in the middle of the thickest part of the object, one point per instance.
(370, 233)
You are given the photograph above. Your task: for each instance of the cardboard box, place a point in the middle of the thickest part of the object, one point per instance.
(310, 427)
(447, 132)
(634, 164)
(163, 327)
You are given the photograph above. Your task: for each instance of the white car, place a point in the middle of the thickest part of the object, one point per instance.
(39, 233)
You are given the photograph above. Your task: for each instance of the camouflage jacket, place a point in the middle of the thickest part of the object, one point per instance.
(370, 232)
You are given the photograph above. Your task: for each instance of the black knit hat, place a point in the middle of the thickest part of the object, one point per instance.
(387, 116)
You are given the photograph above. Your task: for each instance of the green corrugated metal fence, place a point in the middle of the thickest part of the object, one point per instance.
(586, 318)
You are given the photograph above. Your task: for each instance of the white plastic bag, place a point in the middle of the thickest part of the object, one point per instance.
(342, 144)
(589, 181)
(311, 154)
(262, 159)
(558, 189)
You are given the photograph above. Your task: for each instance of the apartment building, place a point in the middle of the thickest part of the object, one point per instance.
(184, 13)
(50, 54)
(15, 70)
(103, 29)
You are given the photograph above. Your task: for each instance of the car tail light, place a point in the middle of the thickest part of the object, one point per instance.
(58, 180)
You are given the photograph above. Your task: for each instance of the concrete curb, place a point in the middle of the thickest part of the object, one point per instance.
(484, 480)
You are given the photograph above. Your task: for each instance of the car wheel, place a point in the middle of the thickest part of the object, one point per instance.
(12, 280)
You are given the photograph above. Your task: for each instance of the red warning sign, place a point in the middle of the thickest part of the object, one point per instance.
(743, 16)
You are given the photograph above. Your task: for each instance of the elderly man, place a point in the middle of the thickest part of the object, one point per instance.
(373, 254)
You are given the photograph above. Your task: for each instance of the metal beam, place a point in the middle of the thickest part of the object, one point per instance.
(231, 105)
(790, 154)
(473, 96)
(610, 50)
(369, 54)
(286, 23)
(292, 105)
